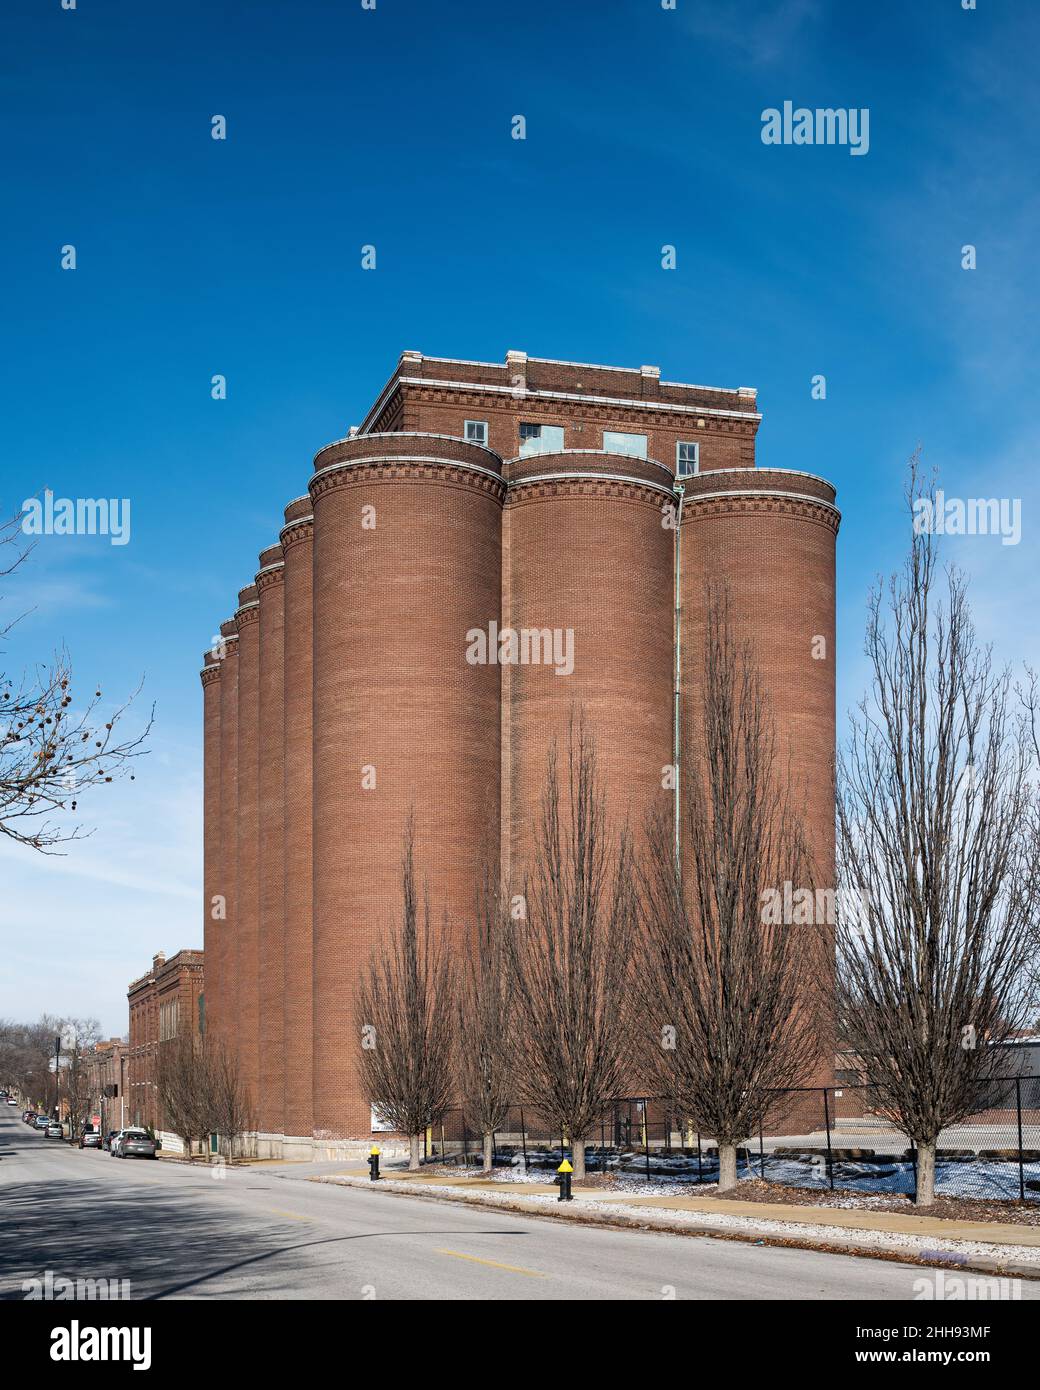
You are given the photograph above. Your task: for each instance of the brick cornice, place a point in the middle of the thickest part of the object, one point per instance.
(267, 578)
(296, 531)
(578, 408)
(776, 504)
(249, 614)
(397, 470)
(210, 674)
(591, 485)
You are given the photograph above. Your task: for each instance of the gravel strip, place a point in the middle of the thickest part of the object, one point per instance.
(961, 1251)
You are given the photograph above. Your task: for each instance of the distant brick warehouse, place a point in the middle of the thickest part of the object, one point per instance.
(165, 1003)
(348, 689)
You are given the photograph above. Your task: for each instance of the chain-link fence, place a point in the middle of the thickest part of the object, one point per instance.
(828, 1137)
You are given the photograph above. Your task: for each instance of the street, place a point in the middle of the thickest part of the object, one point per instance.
(267, 1233)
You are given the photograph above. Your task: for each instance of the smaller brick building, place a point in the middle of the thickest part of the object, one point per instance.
(165, 1003)
(108, 1072)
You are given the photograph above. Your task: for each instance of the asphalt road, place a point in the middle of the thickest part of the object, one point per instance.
(267, 1233)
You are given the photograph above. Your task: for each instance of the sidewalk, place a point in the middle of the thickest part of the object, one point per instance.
(980, 1245)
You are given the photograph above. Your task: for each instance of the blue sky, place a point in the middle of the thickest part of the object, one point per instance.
(392, 127)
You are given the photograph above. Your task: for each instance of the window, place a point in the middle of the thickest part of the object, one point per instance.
(476, 431)
(687, 457)
(632, 445)
(540, 439)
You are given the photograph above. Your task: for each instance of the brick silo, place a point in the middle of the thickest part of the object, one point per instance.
(211, 830)
(271, 791)
(247, 887)
(225, 1018)
(407, 561)
(296, 538)
(590, 555)
(769, 533)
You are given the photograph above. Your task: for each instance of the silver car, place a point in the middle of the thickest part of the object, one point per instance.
(136, 1142)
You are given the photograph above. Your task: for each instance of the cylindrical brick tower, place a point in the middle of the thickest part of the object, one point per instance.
(212, 927)
(225, 1019)
(271, 787)
(590, 561)
(769, 534)
(248, 885)
(296, 538)
(407, 562)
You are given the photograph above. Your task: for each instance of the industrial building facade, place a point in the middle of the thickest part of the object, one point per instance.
(495, 547)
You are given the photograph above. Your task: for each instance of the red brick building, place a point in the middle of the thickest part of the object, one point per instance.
(165, 1003)
(583, 506)
(109, 1072)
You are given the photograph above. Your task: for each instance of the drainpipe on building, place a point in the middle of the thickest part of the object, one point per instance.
(677, 628)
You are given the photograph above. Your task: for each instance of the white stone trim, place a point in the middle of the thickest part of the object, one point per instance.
(693, 498)
(298, 522)
(606, 453)
(766, 468)
(409, 458)
(407, 434)
(533, 393)
(602, 477)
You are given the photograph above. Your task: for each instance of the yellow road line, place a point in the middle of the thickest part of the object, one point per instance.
(292, 1216)
(493, 1264)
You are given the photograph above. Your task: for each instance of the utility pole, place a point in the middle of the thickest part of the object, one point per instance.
(57, 1073)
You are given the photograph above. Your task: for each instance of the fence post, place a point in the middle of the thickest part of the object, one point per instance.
(646, 1133)
(700, 1168)
(913, 1164)
(1021, 1167)
(523, 1137)
(465, 1134)
(827, 1122)
(761, 1149)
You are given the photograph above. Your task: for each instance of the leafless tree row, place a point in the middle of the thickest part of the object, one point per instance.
(613, 970)
(200, 1092)
(27, 1062)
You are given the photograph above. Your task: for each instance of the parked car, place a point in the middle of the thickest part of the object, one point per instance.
(11, 1100)
(137, 1142)
(109, 1139)
(90, 1139)
(54, 1130)
(41, 1122)
(28, 1116)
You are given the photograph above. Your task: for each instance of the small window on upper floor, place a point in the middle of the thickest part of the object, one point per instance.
(476, 431)
(540, 439)
(632, 445)
(687, 458)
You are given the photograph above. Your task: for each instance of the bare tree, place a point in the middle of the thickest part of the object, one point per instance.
(26, 1052)
(405, 1008)
(50, 754)
(78, 1037)
(231, 1112)
(188, 1082)
(735, 942)
(1029, 699)
(935, 816)
(485, 1019)
(571, 956)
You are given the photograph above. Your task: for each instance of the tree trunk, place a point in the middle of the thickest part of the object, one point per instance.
(578, 1161)
(489, 1153)
(925, 1174)
(413, 1153)
(727, 1167)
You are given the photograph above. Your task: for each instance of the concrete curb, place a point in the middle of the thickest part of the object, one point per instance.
(804, 1235)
